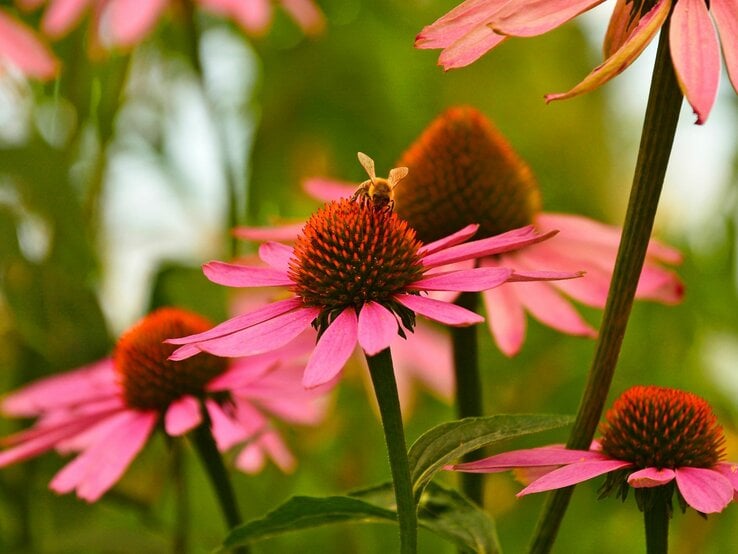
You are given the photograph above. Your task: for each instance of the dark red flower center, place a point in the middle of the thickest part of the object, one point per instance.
(462, 171)
(664, 428)
(149, 380)
(351, 252)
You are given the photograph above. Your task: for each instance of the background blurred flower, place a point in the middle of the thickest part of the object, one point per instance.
(22, 49)
(106, 411)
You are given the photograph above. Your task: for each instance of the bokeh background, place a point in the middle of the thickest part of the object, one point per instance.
(113, 190)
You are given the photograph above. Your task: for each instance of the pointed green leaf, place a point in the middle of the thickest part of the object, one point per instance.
(448, 442)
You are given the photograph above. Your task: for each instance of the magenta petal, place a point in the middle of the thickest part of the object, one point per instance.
(62, 15)
(328, 189)
(22, 48)
(469, 48)
(650, 477)
(465, 280)
(553, 455)
(523, 276)
(706, 490)
(377, 327)
(284, 232)
(226, 431)
(506, 319)
(729, 470)
(131, 20)
(276, 255)
(695, 53)
(726, 19)
(458, 22)
(182, 416)
(232, 275)
(333, 350)
(443, 312)
(451, 240)
(538, 16)
(573, 474)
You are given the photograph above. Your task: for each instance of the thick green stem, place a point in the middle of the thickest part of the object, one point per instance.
(468, 388)
(385, 387)
(659, 127)
(656, 520)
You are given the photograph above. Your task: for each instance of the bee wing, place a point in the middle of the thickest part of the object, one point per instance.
(396, 175)
(368, 164)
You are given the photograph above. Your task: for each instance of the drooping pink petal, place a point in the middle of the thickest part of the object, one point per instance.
(618, 62)
(451, 240)
(729, 470)
(306, 14)
(129, 21)
(660, 285)
(725, 14)
(621, 25)
(695, 53)
(377, 327)
(333, 350)
(233, 275)
(182, 416)
(326, 190)
(276, 255)
(554, 455)
(537, 17)
(98, 468)
(226, 431)
(506, 318)
(279, 233)
(26, 51)
(573, 474)
(524, 276)
(465, 280)
(458, 22)
(469, 48)
(706, 490)
(650, 477)
(62, 15)
(273, 445)
(547, 306)
(443, 312)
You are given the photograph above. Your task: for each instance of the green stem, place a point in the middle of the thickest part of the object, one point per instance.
(181, 506)
(656, 520)
(202, 439)
(385, 388)
(659, 127)
(468, 388)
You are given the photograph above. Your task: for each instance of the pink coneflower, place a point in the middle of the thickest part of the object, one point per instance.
(463, 170)
(476, 26)
(22, 49)
(358, 274)
(652, 437)
(106, 411)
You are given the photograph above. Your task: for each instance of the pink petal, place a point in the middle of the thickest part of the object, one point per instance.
(443, 312)
(660, 285)
(377, 327)
(618, 62)
(276, 255)
(226, 431)
(451, 240)
(25, 50)
(465, 280)
(272, 444)
(469, 48)
(621, 25)
(706, 490)
(547, 306)
(695, 53)
(554, 455)
(533, 275)
(537, 17)
(62, 15)
(326, 190)
(506, 319)
(97, 469)
(333, 349)
(251, 459)
(306, 14)
(573, 474)
(232, 275)
(650, 477)
(129, 21)
(729, 470)
(182, 416)
(458, 22)
(725, 13)
(281, 233)
(253, 16)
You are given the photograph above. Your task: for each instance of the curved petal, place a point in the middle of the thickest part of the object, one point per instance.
(465, 280)
(621, 25)
(506, 319)
(695, 53)
(538, 16)
(642, 34)
(129, 21)
(726, 19)
(650, 477)
(276, 255)
(278, 233)
(233, 275)
(226, 430)
(25, 50)
(461, 20)
(573, 474)
(443, 312)
(469, 48)
(451, 240)
(706, 490)
(729, 470)
(182, 416)
(544, 456)
(333, 350)
(377, 327)
(325, 189)
(547, 306)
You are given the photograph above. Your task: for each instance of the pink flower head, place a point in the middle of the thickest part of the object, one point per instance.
(476, 26)
(22, 49)
(462, 170)
(358, 274)
(653, 437)
(106, 411)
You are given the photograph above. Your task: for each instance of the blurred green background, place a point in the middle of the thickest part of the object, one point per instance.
(113, 191)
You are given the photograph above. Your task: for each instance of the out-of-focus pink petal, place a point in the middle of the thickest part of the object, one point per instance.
(333, 350)
(273, 444)
(306, 14)
(458, 22)
(729, 470)
(465, 280)
(621, 25)
(182, 416)
(25, 50)
(542, 301)
(451, 240)
(129, 21)
(251, 459)
(276, 255)
(280, 233)
(443, 312)
(233, 275)
(253, 16)
(538, 16)
(553, 455)
(377, 328)
(98, 468)
(642, 34)
(325, 189)
(62, 15)
(725, 13)
(573, 474)
(226, 431)
(650, 477)
(660, 285)
(469, 48)
(695, 53)
(506, 318)
(706, 490)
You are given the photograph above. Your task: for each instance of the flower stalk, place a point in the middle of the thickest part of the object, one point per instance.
(659, 127)
(656, 521)
(385, 387)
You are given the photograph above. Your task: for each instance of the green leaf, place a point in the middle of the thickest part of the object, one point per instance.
(448, 442)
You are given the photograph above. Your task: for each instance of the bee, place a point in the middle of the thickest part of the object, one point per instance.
(376, 190)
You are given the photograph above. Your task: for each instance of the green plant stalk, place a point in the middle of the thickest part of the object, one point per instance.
(469, 401)
(656, 522)
(659, 127)
(385, 387)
